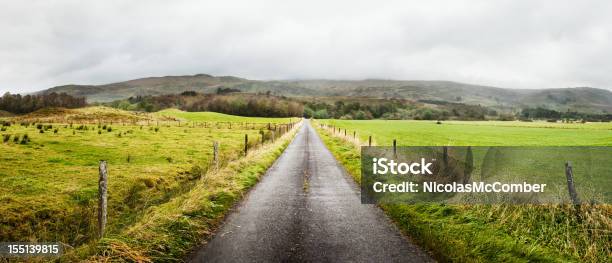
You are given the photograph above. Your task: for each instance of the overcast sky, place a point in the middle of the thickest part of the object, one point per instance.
(512, 44)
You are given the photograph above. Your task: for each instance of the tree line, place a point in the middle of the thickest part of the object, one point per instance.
(18, 104)
(252, 105)
(394, 109)
(553, 115)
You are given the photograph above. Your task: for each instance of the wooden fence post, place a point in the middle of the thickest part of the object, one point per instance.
(216, 153)
(569, 174)
(246, 144)
(394, 147)
(445, 156)
(102, 198)
(354, 134)
(262, 137)
(469, 165)
(370, 140)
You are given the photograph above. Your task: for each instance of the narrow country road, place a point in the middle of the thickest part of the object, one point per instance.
(306, 209)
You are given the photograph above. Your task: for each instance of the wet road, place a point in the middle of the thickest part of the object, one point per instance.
(306, 209)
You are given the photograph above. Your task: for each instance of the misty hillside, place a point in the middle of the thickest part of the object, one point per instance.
(576, 99)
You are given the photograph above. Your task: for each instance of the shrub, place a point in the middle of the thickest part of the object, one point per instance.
(41, 131)
(104, 127)
(55, 131)
(3, 129)
(25, 139)
(506, 117)
(99, 131)
(149, 182)
(39, 126)
(156, 129)
(6, 138)
(48, 127)
(109, 129)
(16, 138)
(438, 122)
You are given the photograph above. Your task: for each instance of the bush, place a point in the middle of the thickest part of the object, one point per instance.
(41, 131)
(16, 138)
(156, 129)
(39, 126)
(109, 129)
(6, 138)
(150, 183)
(99, 131)
(25, 139)
(506, 117)
(55, 131)
(3, 129)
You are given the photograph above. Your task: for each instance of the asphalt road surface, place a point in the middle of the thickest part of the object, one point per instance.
(306, 209)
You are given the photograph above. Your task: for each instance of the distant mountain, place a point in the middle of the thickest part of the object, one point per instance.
(580, 99)
(148, 86)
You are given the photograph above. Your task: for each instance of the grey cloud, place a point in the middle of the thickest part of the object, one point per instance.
(514, 44)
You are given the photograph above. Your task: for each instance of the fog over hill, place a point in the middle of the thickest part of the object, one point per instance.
(582, 99)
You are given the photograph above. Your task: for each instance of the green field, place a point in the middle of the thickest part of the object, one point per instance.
(48, 183)
(484, 233)
(218, 117)
(478, 133)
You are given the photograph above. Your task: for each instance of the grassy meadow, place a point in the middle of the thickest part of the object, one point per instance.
(49, 166)
(478, 133)
(484, 233)
(218, 117)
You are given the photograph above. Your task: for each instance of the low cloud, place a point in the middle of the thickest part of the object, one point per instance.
(513, 44)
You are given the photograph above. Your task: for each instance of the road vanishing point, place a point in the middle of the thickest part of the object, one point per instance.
(307, 209)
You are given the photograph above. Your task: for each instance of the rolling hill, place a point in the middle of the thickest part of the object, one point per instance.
(581, 99)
